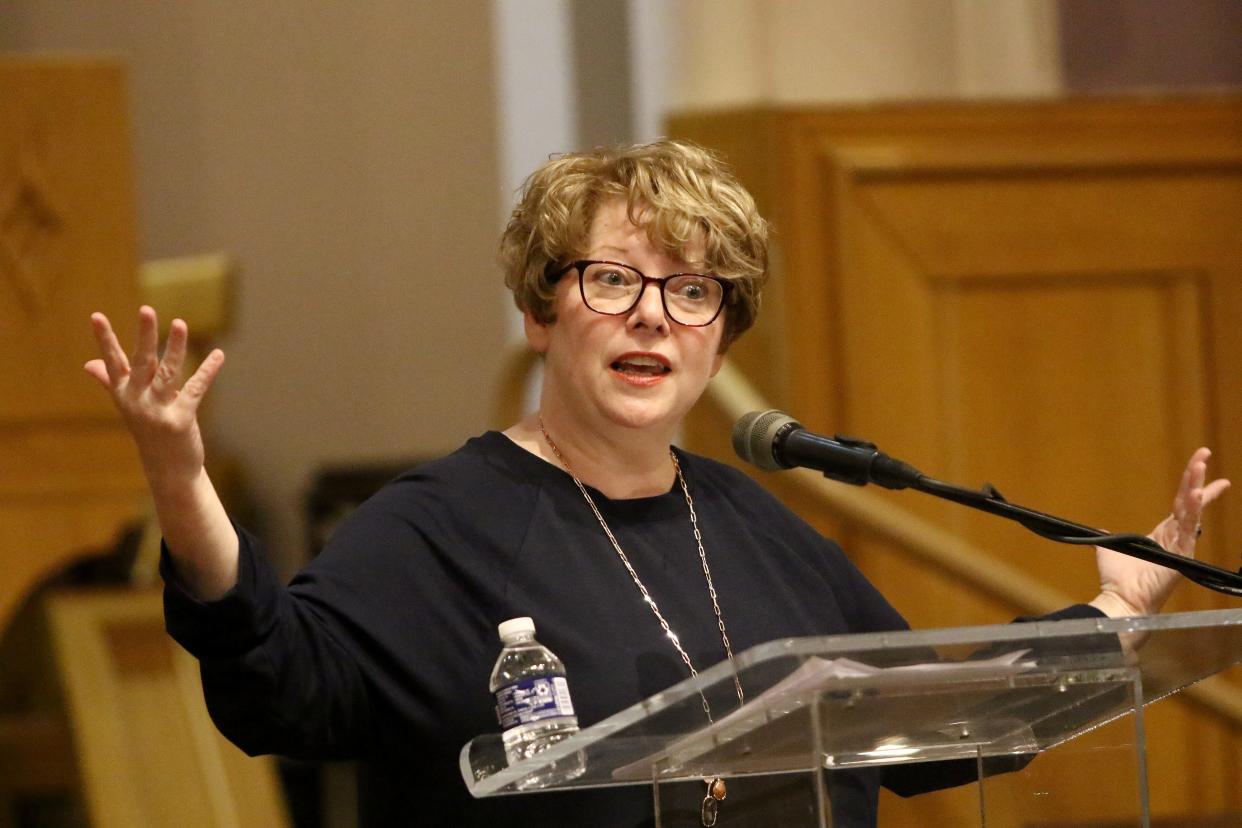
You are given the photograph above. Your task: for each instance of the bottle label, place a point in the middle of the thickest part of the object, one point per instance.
(533, 699)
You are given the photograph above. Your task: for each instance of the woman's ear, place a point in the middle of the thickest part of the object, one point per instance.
(538, 333)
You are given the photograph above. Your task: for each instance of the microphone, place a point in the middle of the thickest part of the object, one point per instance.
(773, 440)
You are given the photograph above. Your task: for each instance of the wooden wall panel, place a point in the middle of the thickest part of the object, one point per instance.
(68, 476)
(1041, 296)
(67, 236)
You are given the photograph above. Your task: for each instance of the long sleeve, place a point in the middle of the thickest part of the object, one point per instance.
(382, 644)
(275, 678)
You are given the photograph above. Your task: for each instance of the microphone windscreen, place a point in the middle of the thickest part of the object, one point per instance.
(754, 436)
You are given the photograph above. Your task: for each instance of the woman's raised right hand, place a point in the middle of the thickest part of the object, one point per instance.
(159, 411)
(162, 415)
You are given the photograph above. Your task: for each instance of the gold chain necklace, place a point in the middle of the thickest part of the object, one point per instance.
(715, 787)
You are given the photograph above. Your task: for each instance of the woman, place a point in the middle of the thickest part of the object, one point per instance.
(635, 269)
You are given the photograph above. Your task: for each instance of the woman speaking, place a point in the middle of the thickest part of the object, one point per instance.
(635, 269)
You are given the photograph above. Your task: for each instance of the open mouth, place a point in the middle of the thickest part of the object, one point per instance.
(641, 366)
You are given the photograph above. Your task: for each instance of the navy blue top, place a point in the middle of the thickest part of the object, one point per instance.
(381, 649)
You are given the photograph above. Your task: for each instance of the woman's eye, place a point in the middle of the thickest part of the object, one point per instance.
(694, 290)
(608, 277)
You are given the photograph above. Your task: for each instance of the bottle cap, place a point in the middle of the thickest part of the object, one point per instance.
(516, 626)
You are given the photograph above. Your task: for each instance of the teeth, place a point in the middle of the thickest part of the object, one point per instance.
(641, 365)
(643, 362)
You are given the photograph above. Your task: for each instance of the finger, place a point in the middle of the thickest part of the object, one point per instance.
(1214, 490)
(144, 361)
(97, 369)
(115, 362)
(1192, 480)
(164, 384)
(1197, 468)
(1187, 513)
(196, 386)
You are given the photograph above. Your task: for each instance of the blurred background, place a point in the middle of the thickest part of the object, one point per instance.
(342, 171)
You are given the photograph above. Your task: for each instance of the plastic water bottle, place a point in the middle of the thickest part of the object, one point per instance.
(532, 695)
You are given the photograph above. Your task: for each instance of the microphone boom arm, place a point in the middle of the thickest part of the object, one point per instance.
(771, 439)
(1061, 530)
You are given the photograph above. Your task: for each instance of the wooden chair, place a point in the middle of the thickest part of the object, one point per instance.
(147, 751)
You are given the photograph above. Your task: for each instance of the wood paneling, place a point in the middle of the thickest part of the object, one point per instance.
(1042, 296)
(68, 478)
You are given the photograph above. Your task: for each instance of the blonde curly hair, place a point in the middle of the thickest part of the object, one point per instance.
(677, 191)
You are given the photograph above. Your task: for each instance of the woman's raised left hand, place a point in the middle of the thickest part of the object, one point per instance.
(1129, 586)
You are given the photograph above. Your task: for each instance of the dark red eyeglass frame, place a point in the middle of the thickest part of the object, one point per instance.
(553, 275)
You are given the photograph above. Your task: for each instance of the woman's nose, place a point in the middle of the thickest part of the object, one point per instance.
(648, 311)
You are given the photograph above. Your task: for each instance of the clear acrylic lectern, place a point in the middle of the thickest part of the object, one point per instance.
(993, 698)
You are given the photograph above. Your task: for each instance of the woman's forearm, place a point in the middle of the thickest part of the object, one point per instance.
(200, 537)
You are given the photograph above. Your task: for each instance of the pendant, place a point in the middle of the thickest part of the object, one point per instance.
(711, 803)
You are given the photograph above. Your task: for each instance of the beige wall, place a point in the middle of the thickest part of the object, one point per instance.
(346, 153)
(743, 52)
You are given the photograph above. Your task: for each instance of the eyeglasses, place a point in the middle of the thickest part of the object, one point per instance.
(613, 289)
